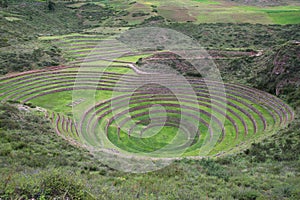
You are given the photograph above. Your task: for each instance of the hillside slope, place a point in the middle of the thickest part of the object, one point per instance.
(276, 71)
(35, 163)
(282, 69)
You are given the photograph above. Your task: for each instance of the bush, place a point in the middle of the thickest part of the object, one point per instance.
(4, 3)
(212, 168)
(56, 184)
(48, 184)
(51, 5)
(246, 194)
(139, 14)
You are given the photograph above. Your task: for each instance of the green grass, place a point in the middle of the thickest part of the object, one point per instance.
(279, 14)
(289, 17)
(133, 58)
(242, 14)
(143, 145)
(57, 102)
(208, 2)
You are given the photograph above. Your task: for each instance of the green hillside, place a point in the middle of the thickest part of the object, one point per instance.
(83, 116)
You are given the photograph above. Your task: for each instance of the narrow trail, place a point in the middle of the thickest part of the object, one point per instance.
(138, 71)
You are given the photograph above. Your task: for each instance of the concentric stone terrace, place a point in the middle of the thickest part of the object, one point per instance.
(157, 115)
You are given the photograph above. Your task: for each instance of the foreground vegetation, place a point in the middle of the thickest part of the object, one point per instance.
(35, 163)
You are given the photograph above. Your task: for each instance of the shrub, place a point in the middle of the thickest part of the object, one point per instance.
(57, 184)
(246, 194)
(48, 184)
(51, 5)
(214, 169)
(139, 14)
(4, 3)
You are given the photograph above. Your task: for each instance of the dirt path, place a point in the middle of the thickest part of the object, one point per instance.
(136, 70)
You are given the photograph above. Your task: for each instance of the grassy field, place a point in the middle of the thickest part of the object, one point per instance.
(207, 11)
(197, 11)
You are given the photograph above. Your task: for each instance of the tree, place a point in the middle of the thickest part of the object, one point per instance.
(51, 5)
(3, 3)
